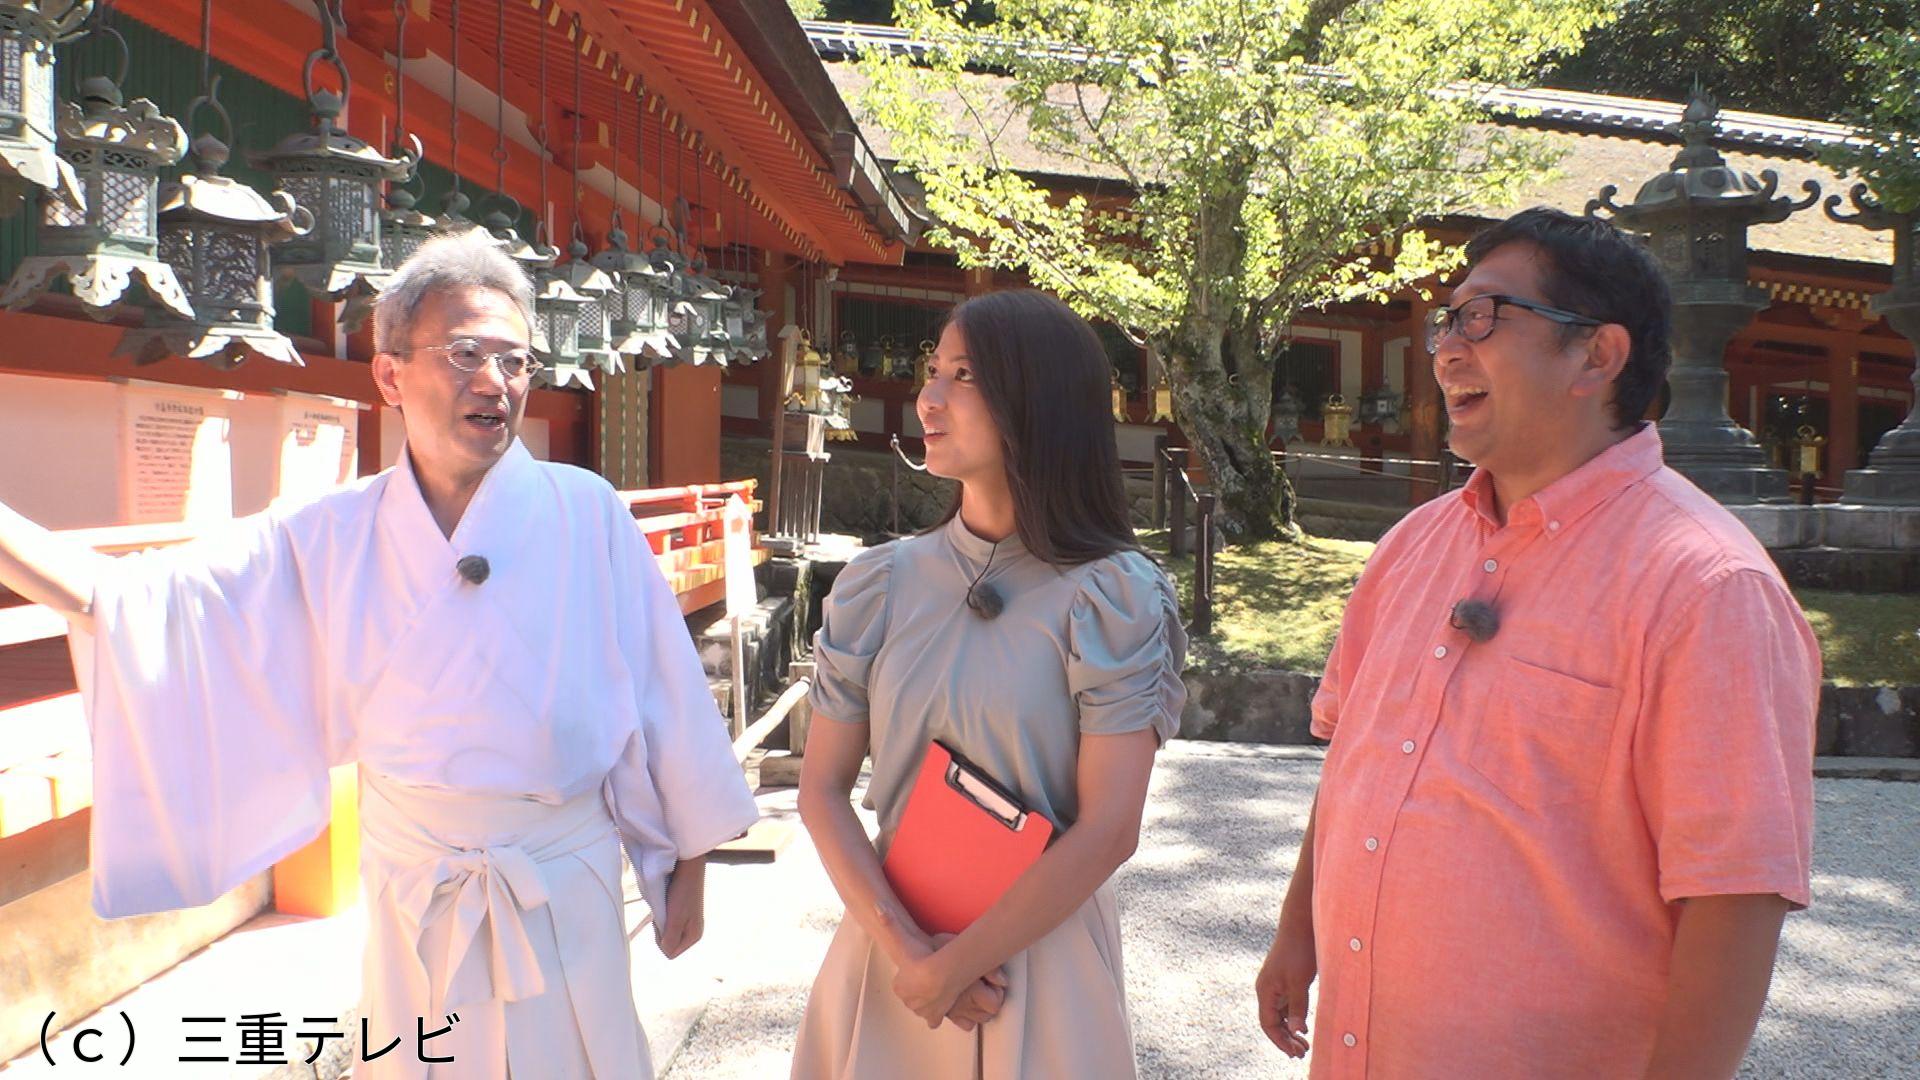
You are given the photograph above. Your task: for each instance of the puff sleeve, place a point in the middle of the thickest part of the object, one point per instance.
(853, 624)
(1126, 649)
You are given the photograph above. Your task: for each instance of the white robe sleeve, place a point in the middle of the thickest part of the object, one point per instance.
(677, 792)
(210, 750)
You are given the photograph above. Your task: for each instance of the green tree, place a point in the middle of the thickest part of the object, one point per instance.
(1264, 146)
(1776, 56)
(1886, 154)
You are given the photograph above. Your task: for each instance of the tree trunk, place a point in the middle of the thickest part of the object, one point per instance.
(1225, 419)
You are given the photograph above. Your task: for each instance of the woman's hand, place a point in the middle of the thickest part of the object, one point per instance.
(976, 1003)
(931, 986)
(686, 916)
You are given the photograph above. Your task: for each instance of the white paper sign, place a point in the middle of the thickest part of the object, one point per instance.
(319, 445)
(176, 461)
(741, 596)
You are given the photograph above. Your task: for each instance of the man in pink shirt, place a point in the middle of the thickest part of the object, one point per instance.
(1568, 800)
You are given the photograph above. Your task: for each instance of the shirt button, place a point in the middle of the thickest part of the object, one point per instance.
(1439, 652)
(1373, 843)
(1490, 566)
(1407, 747)
(1350, 1040)
(1354, 944)
(1553, 526)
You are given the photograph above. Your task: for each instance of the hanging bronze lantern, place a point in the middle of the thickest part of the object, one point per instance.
(705, 340)
(336, 177)
(100, 244)
(215, 232)
(595, 334)
(638, 324)
(1337, 420)
(1286, 416)
(29, 29)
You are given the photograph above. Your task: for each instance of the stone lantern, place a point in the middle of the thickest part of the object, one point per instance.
(1379, 406)
(100, 244)
(1892, 475)
(1286, 415)
(337, 177)
(215, 232)
(1696, 216)
(29, 29)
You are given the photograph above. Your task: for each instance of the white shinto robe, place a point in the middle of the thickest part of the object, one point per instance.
(510, 736)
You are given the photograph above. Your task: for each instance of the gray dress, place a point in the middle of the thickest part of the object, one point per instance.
(1092, 649)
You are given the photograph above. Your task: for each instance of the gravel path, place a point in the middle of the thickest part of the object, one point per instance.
(1222, 829)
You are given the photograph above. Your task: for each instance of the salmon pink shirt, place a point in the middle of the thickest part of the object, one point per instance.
(1505, 828)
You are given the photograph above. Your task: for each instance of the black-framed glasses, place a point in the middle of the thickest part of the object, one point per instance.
(469, 355)
(1474, 319)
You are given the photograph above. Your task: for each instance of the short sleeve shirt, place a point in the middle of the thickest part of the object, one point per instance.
(1504, 826)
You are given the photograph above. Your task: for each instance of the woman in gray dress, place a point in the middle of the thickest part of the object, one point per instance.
(1029, 633)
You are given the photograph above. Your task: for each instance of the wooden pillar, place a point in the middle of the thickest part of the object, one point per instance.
(979, 280)
(1423, 400)
(775, 279)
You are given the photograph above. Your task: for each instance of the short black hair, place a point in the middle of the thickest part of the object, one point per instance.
(1594, 268)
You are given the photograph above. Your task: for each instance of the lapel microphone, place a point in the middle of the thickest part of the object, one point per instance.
(1477, 618)
(473, 568)
(985, 600)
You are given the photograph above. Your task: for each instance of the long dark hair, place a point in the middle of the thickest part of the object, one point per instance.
(1045, 377)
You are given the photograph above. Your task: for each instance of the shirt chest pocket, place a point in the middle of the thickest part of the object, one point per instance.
(1543, 736)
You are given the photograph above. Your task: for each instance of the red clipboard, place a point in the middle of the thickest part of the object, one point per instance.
(962, 841)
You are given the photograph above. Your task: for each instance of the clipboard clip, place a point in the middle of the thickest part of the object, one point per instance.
(982, 792)
(971, 788)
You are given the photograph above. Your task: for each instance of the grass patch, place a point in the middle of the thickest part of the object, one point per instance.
(1278, 605)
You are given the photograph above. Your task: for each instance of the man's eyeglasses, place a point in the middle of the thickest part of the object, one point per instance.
(468, 355)
(1474, 319)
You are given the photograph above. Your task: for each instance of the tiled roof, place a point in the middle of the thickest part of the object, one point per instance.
(1603, 140)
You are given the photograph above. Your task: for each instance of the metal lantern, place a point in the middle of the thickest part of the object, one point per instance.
(1119, 399)
(708, 324)
(1286, 416)
(595, 333)
(1379, 406)
(337, 177)
(837, 398)
(100, 244)
(848, 353)
(922, 362)
(214, 232)
(1337, 416)
(29, 29)
(1163, 404)
(533, 256)
(638, 326)
(807, 371)
(899, 362)
(403, 227)
(556, 319)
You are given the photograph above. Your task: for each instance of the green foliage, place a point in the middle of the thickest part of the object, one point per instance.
(1886, 157)
(1263, 144)
(808, 9)
(1265, 158)
(1789, 57)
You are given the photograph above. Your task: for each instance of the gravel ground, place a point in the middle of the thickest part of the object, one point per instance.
(1222, 829)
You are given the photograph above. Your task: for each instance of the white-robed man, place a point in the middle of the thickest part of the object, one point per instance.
(488, 636)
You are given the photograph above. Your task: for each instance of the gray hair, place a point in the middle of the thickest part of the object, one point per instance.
(462, 260)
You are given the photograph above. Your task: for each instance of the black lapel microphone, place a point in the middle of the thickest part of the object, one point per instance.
(473, 568)
(985, 600)
(1477, 618)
